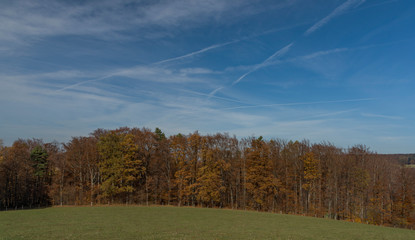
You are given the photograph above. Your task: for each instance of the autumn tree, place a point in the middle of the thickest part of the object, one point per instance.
(404, 198)
(2, 176)
(357, 183)
(80, 168)
(133, 165)
(311, 175)
(211, 184)
(121, 166)
(178, 146)
(162, 169)
(261, 184)
(58, 173)
(23, 168)
(19, 175)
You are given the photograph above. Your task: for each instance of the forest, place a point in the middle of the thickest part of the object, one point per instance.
(141, 166)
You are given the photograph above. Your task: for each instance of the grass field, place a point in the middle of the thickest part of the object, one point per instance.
(179, 223)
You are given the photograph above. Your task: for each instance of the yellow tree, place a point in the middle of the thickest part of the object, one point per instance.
(133, 167)
(122, 165)
(311, 175)
(210, 183)
(260, 182)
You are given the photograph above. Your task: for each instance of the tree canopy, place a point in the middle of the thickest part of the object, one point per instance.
(139, 166)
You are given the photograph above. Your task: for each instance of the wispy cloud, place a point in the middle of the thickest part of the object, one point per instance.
(329, 114)
(349, 4)
(147, 73)
(108, 19)
(382, 116)
(156, 74)
(197, 70)
(389, 139)
(302, 103)
(72, 86)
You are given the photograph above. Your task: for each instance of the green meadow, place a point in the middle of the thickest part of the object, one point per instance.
(134, 222)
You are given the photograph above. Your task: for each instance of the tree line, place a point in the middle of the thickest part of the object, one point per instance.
(139, 166)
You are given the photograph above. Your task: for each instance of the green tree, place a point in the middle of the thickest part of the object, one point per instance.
(133, 168)
(109, 147)
(160, 135)
(39, 157)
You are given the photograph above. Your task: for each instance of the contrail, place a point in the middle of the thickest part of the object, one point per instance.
(215, 91)
(279, 53)
(266, 62)
(227, 43)
(322, 53)
(83, 82)
(304, 57)
(244, 75)
(375, 5)
(160, 62)
(303, 103)
(198, 52)
(336, 12)
(208, 95)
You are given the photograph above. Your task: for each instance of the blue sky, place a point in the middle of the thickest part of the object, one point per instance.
(340, 71)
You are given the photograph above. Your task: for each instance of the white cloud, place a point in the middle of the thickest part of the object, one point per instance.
(149, 74)
(381, 116)
(302, 103)
(156, 74)
(24, 21)
(196, 71)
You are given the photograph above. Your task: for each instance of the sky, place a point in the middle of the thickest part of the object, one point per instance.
(338, 71)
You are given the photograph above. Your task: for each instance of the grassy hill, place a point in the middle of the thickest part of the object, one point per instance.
(179, 223)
